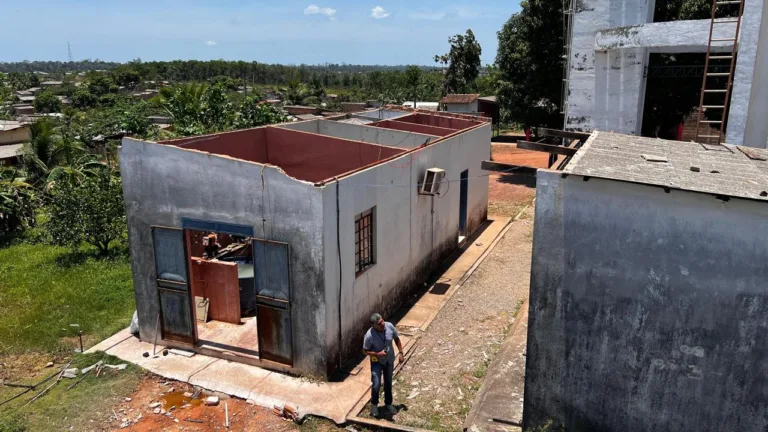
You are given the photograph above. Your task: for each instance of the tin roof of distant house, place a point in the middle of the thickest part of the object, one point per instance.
(8, 125)
(726, 170)
(459, 98)
(11, 151)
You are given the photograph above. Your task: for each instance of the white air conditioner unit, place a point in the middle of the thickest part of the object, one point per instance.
(433, 177)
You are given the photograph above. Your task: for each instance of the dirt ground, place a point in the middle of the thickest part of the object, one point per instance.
(182, 413)
(508, 193)
(438, 384)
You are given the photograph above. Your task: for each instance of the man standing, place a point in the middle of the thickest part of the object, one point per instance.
(377, 345)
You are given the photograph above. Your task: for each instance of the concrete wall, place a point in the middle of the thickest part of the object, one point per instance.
(410, 239)
(14, 136)
(163, 184)
(747, 123)
(413, 127)
(606, 88)
(648, 310)
(462, 108)
(670, 36)
(367, 134)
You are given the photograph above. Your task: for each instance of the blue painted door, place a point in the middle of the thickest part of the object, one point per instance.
(272, 277)
(463, 191)
(176, 320)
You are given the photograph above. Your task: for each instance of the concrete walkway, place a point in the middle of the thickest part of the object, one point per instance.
(498, 405)
(332, 400)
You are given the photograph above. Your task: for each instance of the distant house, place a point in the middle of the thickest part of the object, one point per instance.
(300, 109)
(489, 106)
(13, 132)
(34, 90)
(273, 102)
(352, 106)
(10, 154)
(21, 109)
(460, 103)
(27, 99)
(49, 84)
(431, 106)
(21, 93)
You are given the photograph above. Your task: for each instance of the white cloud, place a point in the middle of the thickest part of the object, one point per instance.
(378, 12)
(453, 13)
(211, 43)
(315, 9)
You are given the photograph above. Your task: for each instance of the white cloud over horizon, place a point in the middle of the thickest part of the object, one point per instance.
(211, 43)
(379, 12)
(317, 10)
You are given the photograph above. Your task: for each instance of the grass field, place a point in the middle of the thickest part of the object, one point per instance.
(44, 289)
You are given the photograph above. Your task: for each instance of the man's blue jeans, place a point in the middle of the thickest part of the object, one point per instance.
(376, 371)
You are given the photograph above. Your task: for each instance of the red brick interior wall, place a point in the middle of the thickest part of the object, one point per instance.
(413, 127)
(247, 144)
(313, 157)
(439, 121)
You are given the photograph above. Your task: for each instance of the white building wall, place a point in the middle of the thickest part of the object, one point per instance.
(611, 42)
(605, 88)
(367, 134)
(462, 108)
(412, 231)
(748, 118)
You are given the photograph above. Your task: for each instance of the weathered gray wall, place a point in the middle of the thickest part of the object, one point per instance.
(368, 134)
(410, 239)
(648, 310)
(163, 184)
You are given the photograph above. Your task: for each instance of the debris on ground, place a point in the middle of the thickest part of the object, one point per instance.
(70, 373)
(287, 412)
(212, 401)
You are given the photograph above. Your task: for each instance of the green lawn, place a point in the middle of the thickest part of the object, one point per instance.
(44, 289)
(88, 406)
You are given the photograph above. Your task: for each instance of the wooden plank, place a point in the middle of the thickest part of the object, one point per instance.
(562, 133)
(507, 138)
(386, 425)
(547, 148)
(507, 168)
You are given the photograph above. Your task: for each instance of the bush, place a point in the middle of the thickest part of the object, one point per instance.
(47, 102)
(91, 211)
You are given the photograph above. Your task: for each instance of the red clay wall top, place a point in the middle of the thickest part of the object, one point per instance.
(302, 155)
(439, 121)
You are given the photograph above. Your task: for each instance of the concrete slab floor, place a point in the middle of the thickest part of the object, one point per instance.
(332, 400)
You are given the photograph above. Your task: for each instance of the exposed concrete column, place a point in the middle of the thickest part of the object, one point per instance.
(619, 90)
(597, 94)
(748, 117)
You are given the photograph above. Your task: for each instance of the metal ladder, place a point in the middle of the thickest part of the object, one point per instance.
(567, 26)
(714, 92)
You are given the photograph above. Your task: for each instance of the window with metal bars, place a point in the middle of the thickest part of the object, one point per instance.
(364, 248)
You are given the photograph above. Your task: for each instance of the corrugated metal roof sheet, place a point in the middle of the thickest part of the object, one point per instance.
(459, 98)
(9, 151)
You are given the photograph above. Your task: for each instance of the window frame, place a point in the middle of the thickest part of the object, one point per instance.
(365, 241)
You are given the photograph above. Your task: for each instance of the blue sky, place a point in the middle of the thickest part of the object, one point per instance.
(288, 32)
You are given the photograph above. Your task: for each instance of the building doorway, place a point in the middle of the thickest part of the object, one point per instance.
(463, 191)
(224, 292)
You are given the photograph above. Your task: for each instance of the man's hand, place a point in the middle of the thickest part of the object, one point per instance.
(381, 353)
(400, 358)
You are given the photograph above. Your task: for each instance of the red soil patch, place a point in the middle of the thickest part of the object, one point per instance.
(508, 193)
(198, 417)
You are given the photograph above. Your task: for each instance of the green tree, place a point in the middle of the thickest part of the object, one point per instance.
(16, 203)
(38, 153)
(253, 114)
(296, 91)
(463, 62)
(47, 102)
(488, 83)
(411, 82)
(530, 64)
(126, 77)
(100, 84)
(216, 110)
(82, 98)
(224, 81)
(91, 211)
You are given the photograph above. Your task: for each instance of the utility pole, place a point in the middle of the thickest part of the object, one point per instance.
(69, 51)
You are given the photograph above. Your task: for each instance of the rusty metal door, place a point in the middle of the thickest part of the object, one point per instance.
(176, 316)
(271, 274)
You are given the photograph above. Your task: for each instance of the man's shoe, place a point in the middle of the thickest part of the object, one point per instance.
(374, 411)
(392, 410)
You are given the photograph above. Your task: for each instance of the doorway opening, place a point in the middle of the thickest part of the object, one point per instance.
(463, 191)
(223, 291)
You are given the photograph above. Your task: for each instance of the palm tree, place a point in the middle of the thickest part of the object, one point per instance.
(16, 198)
(295, 91)
(38, 153)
